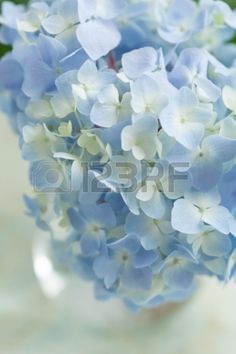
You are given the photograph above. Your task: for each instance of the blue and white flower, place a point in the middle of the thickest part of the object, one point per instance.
(125, 110)
(126, 261)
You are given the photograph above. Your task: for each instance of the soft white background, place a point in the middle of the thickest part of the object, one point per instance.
(73, 323)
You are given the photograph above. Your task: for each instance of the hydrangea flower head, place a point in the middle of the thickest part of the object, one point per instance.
(126, 113)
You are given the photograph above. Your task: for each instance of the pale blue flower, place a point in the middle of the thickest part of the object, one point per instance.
(178, 269)
(230, 270)
(90, 81)
(110, 109)
(228, 95)
(126, 110)
(181, 20)
(34, 210)
(9, 14)
(49, 177)
(39, 143)
(148, 97)
(141, 138)
(91, 36)
(124, 172)
(31, 20)
(222, 14)
(185, 119)
(204, 165)
(150, 231)
(139, 62)
(107, 9)
(63, 102)
(212, 243)
(126, 261)
(11, 74)
(191, 70)
(41, 63)
(208, 163)
(227, 189)
(92, 223)
(150, 196)
(63, 17)
(97, 33)
(190, 214)
(39, 109)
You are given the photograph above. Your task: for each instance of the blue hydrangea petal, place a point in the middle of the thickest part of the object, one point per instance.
(88, 196)
(180, 76)
(228, 127)
(139, 62)
(74, 60)
(216, 244)
(76, 219)
(112, 274)
(38, 77)
(105, 112)
(54, 24)
(205, 172)
(110, 9)
(190, 135)
(228, 15)
(219, 148)
(186, 218)
(186, 100)
(101, 265)
(98, 37)
(76, 176)
(86, 9)
(90, 244)
(140, 138)
(218, 217)
(101, 213)
(232, 225)
(231, 266)
(178, 277)
(11, 74)
(207, 90)
(155, 207)
(144, 93)
(104, 115)
(51, 50)
(137, 278)
(204, 200)
(144, 258)
(130, 243)
(150, 235)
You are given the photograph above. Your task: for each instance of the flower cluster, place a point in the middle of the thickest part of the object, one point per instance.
(126, 112)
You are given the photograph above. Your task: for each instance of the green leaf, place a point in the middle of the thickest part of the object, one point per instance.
(232, 3)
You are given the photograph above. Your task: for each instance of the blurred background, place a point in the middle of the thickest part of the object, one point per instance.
(73, 322)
